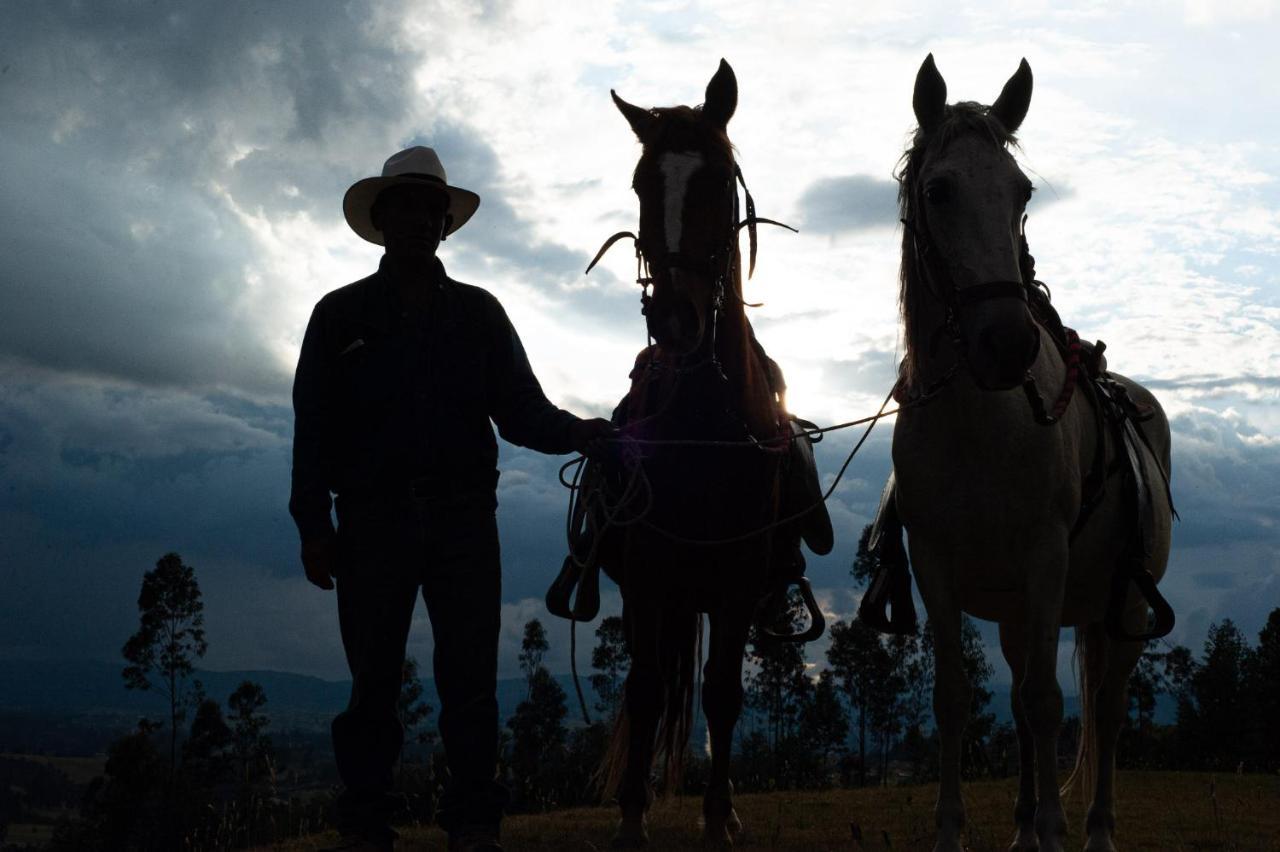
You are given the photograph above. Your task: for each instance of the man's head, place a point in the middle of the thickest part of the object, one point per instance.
(413, 219)
(411, 204)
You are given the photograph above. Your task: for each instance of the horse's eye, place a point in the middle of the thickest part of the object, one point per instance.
(937, 192)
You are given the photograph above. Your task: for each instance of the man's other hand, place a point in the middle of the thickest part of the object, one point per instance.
(320, 560)
(586, 435)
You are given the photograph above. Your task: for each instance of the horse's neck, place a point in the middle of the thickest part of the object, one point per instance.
(747, 373)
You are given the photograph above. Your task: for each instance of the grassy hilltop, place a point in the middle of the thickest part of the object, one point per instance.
(1158, 812)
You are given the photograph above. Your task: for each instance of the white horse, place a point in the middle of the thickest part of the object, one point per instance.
(1004, 519)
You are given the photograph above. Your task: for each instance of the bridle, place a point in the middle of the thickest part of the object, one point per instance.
(937, 268)
(716, 266)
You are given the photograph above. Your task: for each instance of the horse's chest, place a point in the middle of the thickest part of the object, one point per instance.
(987, 499)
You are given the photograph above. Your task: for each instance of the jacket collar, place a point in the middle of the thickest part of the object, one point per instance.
(380, 302)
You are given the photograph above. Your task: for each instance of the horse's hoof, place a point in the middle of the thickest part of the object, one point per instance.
(630, 835)
(734, 825)
(719, 838)
(720, 823)
(1025, 841)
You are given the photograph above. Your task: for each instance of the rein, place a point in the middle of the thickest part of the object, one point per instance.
(638, 482)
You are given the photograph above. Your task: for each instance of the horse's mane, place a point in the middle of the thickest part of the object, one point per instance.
(959, 119)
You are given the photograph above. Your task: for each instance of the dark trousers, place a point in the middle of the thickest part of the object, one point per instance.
(390, 550)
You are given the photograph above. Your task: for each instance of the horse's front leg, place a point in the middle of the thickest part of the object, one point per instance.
(1040, 693)
(722, 704)
(1111, 706)
(642, 696)
(951, 695)
(1013, 645)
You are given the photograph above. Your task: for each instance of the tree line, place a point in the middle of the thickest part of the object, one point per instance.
(207, 775)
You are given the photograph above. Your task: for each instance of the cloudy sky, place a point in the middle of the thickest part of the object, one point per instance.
(171, 176)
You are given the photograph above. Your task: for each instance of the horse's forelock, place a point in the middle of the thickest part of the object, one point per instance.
(682, 128)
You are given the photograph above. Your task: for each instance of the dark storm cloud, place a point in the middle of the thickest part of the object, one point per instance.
(133, 137)
(1224, 476)
(850, 203)
(127, 126)
(100, 479)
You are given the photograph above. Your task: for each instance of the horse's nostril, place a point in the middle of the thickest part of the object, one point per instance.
(1008, 345)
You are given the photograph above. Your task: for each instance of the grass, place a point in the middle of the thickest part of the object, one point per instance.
(1157, 812)
(81, 770)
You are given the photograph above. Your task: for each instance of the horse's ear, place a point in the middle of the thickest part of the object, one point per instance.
(1015, 98)
(722, 96)
(638, 117)
(930, 98)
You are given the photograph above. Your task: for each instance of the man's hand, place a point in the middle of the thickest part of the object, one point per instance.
(320, 560)
(586, 435)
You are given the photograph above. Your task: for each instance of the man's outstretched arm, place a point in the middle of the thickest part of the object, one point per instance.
(517, 404)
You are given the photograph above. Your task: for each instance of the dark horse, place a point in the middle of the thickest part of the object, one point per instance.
(707, 539)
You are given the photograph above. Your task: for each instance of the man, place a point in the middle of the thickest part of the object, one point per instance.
(398, 378)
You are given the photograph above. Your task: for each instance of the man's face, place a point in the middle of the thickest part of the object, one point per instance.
(412, 219)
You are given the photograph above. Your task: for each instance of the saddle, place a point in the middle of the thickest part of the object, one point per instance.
(1118, 420)
(595, 538)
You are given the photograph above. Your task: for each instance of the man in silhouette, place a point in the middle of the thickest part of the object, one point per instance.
(399, 376)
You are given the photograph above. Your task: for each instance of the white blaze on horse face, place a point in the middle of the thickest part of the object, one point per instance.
(677, 168)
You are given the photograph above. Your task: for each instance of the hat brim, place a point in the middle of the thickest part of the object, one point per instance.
(357, 204)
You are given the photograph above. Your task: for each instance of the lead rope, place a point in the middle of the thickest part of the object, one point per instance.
(639, 476)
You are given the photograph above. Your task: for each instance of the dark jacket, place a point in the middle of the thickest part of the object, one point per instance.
(383, 398)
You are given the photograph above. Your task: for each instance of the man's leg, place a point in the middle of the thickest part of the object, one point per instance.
(462, 586)
(377, 589)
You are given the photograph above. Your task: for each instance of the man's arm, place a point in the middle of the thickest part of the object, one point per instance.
(309, 501)
(517, 404)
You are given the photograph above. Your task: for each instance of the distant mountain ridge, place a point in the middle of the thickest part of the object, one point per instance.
(85, 687)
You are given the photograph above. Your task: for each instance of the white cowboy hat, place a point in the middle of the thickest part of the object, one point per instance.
(413, 165)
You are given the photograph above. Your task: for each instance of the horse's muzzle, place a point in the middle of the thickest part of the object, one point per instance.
(673, 315)
(1000, 353)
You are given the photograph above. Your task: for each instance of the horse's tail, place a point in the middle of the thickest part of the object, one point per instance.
(1090, 655)
(679, 654)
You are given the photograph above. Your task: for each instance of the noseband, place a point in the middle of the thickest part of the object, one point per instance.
(955, 297)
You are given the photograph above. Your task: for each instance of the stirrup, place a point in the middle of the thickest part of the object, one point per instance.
(1161, 626)
(586, 604)
(817, 621)
(887, 606)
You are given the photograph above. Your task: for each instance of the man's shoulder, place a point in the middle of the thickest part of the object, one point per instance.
(476, 300)
(348, 296)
